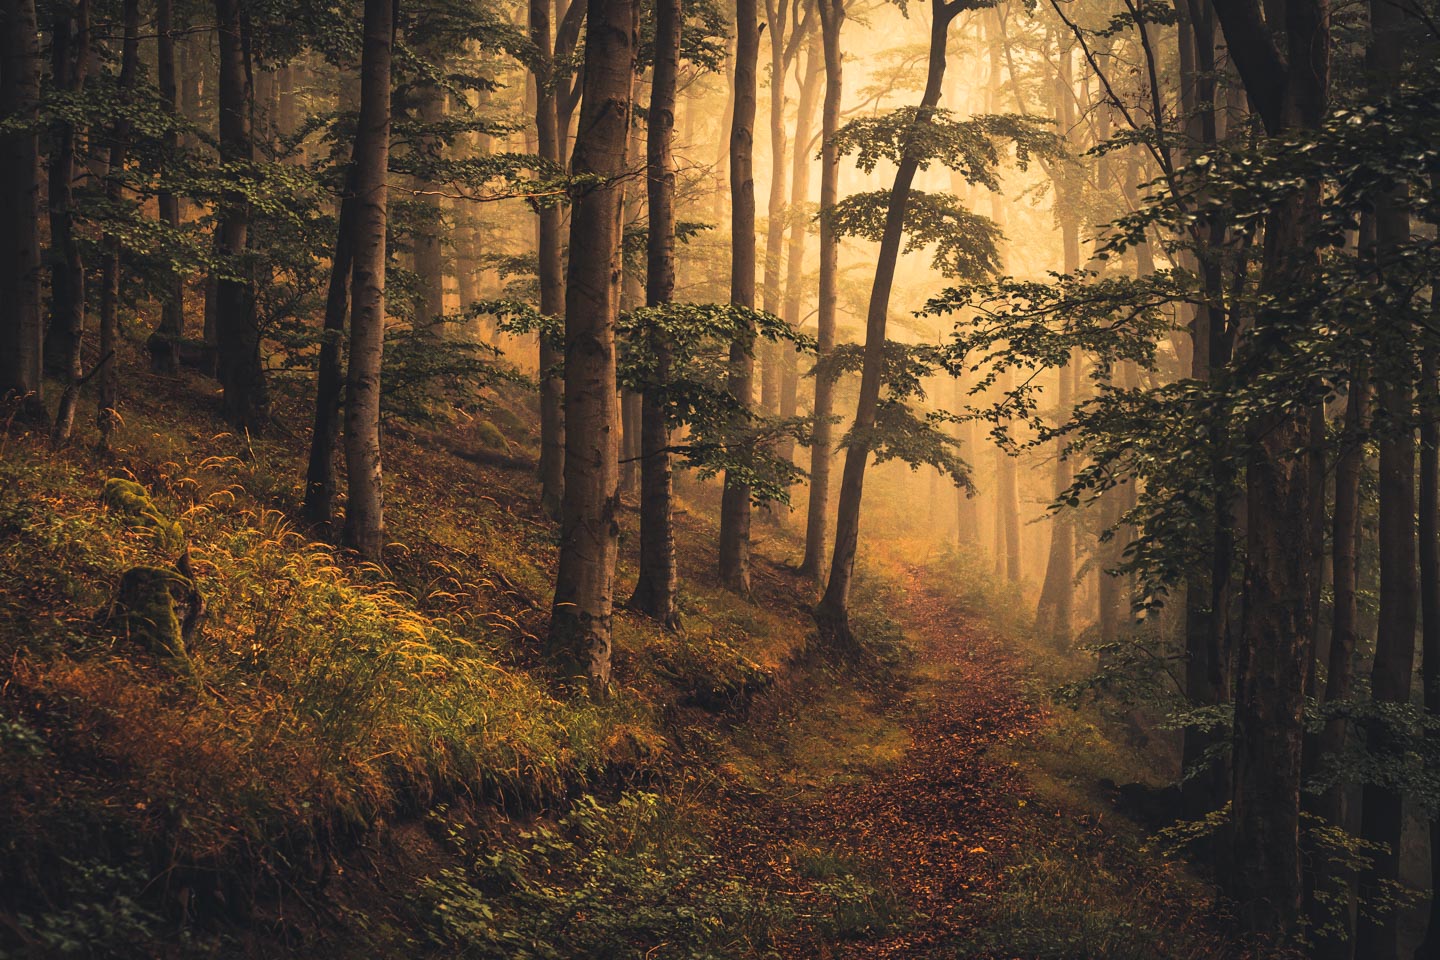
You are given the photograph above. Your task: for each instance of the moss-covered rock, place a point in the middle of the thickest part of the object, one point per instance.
(131, 501)
(490, 436)
(145, 609)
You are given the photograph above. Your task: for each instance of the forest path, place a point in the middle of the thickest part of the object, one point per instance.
(936, 826)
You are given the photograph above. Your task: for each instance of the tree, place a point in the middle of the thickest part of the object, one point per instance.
(655, 590)
(1289, 88)
(242, 374)
(905, 141)
(70, 58)
(735, 501)
(164, 344)
(580, 619)
(832, 19)
(365, 509)
(21, 330)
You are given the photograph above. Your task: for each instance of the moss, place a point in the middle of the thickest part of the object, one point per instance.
(145, 608)
(490, 436)
(129, 499)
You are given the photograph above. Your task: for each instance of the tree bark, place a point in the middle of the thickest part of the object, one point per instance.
(1429, 511)
(109, 386)
(21, 329)
(318, 508)
(551, 268)
(655, 590)
(798, 225)
(735, 501)
(1290, 91)
(164, 343)
(242, 374)
(832, 19)
(770, 293)
(365, 508)
(833, 611)
(580, 621)
(70, 57)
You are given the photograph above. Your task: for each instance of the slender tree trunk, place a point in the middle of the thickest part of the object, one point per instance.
(580, 619)
(318, 508)
(798, 224)
(164, 343)
(70, 57)
(241, 372)
(770, 299)
(833, 611)
(832, 18)
(21, 327)
(109, 392)
(429, 252)
(735, 501)
(551, 270)
(655, 591)
(365, 507)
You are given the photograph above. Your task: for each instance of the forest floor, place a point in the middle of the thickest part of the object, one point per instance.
(985, 832)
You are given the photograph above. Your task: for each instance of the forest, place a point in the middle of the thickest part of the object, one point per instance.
(706, 479)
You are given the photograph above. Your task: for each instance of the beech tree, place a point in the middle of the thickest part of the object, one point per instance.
(580, 619)
(365, 508)
(21, 329)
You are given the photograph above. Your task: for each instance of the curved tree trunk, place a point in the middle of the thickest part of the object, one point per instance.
(655, 590)
(735, 501)
(833, 611)
(832, 19)
(580, 618)
(365, 508)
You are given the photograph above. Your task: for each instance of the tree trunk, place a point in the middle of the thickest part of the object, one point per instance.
(21, 329)
(1290, 93)
(833, 611)
(655, 590)
(109, 392)
(365, 508)
(429, 253)
(1430, 598)
(164, 343)
(775, 19)
(798, 224)
(241, 372)
(580, 619)
(318, 508)
(832, 18)
(735, 501)
(70, 57)
(551, 270)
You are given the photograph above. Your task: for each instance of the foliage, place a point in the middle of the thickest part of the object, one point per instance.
(969, 147)
(966, 244)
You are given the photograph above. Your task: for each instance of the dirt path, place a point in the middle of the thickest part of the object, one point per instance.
(938, 824)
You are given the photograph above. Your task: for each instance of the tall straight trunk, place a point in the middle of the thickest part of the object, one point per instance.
(580, 618)
(1340, 662)
(21, 326)
(798, 225)
(109, 392)
(365, 507)
(1429, 510)
(164, 343)
(735, 501)
(429, 252)
(551, 268)
(318, 508)
(1054, 615)
(655, 590)
(241, 372)
(833, 611)
(967, 513)
(832, 18)
(1381, 818)
(632, 296)
(1290, 92)
(770, 293)
(70, 56)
